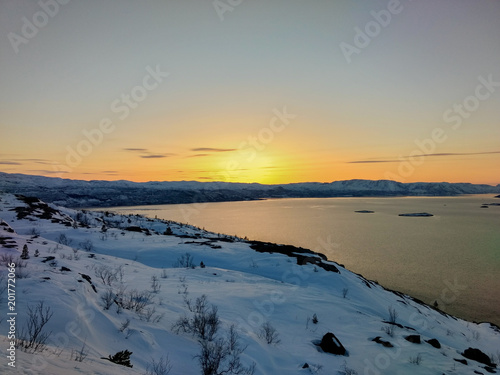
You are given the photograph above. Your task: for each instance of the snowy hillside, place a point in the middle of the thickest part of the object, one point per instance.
(111, 283)
(75, 193)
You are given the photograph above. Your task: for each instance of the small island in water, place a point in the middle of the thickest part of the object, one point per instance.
(418, 214)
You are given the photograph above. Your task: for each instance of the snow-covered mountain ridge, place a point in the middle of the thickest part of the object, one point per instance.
(96, 271)
(78, 193)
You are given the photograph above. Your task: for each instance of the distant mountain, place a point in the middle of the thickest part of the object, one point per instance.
(78, 193)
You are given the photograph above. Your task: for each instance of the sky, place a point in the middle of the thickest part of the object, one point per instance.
(251, 91)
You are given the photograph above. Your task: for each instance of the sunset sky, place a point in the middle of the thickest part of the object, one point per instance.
(257, 91)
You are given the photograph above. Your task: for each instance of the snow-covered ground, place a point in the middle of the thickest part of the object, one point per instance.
(101, 254)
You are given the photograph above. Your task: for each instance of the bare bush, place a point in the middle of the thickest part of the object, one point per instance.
(33, 338)
(393, 315)
(87, 245)
(6, 259)
(162, 367)
(63, 240)
(108, 298)
(81, 354)
(204, 323)
(184, 261)
(134, 300)
(269, 333)
(155, 284)
(344, 292)
(107, 275)
(389, 329)
(125, 325)
(222, 356)
(416, 360)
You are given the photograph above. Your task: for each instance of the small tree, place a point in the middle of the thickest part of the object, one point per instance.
(25, 254)
(37, 253)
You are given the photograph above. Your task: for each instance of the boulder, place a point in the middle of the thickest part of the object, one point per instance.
(331, 344)
(386, 344)
(434, 342)
(415, 339)
(478, 356)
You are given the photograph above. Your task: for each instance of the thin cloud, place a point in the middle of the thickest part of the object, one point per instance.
(155, 156)
(47, 171)
(427, 155)
(198, 155)
(136, 149)
(211, 149)
(10, 163)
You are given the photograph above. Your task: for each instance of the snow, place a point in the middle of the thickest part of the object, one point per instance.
(249, 288)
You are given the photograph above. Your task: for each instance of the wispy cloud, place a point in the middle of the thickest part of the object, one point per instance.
(155, 156)
(47, 171)
(147, 154)
(136, 149)
(426, 155)
(211, 149)
(10, 163)
(197, 155)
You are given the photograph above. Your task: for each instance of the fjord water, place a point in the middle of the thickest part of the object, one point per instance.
(452, 257)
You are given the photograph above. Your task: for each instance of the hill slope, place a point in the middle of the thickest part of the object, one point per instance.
(75, 193)
(99, 287)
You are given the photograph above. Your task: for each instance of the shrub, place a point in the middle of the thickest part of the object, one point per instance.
(204, 323)
(269, 333)
(155, 284)
(393, 315)
(121, 358)
(222, 356)
(63, 240)
(162, 367)
(184, 261)
(33, 337)
(87, 245)
(108, 297)
(344, 292)
(315, 319)
(81, 354)
(416, 360)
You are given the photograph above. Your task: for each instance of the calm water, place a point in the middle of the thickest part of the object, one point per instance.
(452, 257)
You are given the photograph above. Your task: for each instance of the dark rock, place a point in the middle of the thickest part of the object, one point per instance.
(478, 372)
(306, 365)
(65, 269)
(478, 356)
(48, 259)
(417, 214)
(490, 369)
(134, 229)
(462, 361)
(386, 344)
(331, 344)
(415, 339)
(434, 342)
